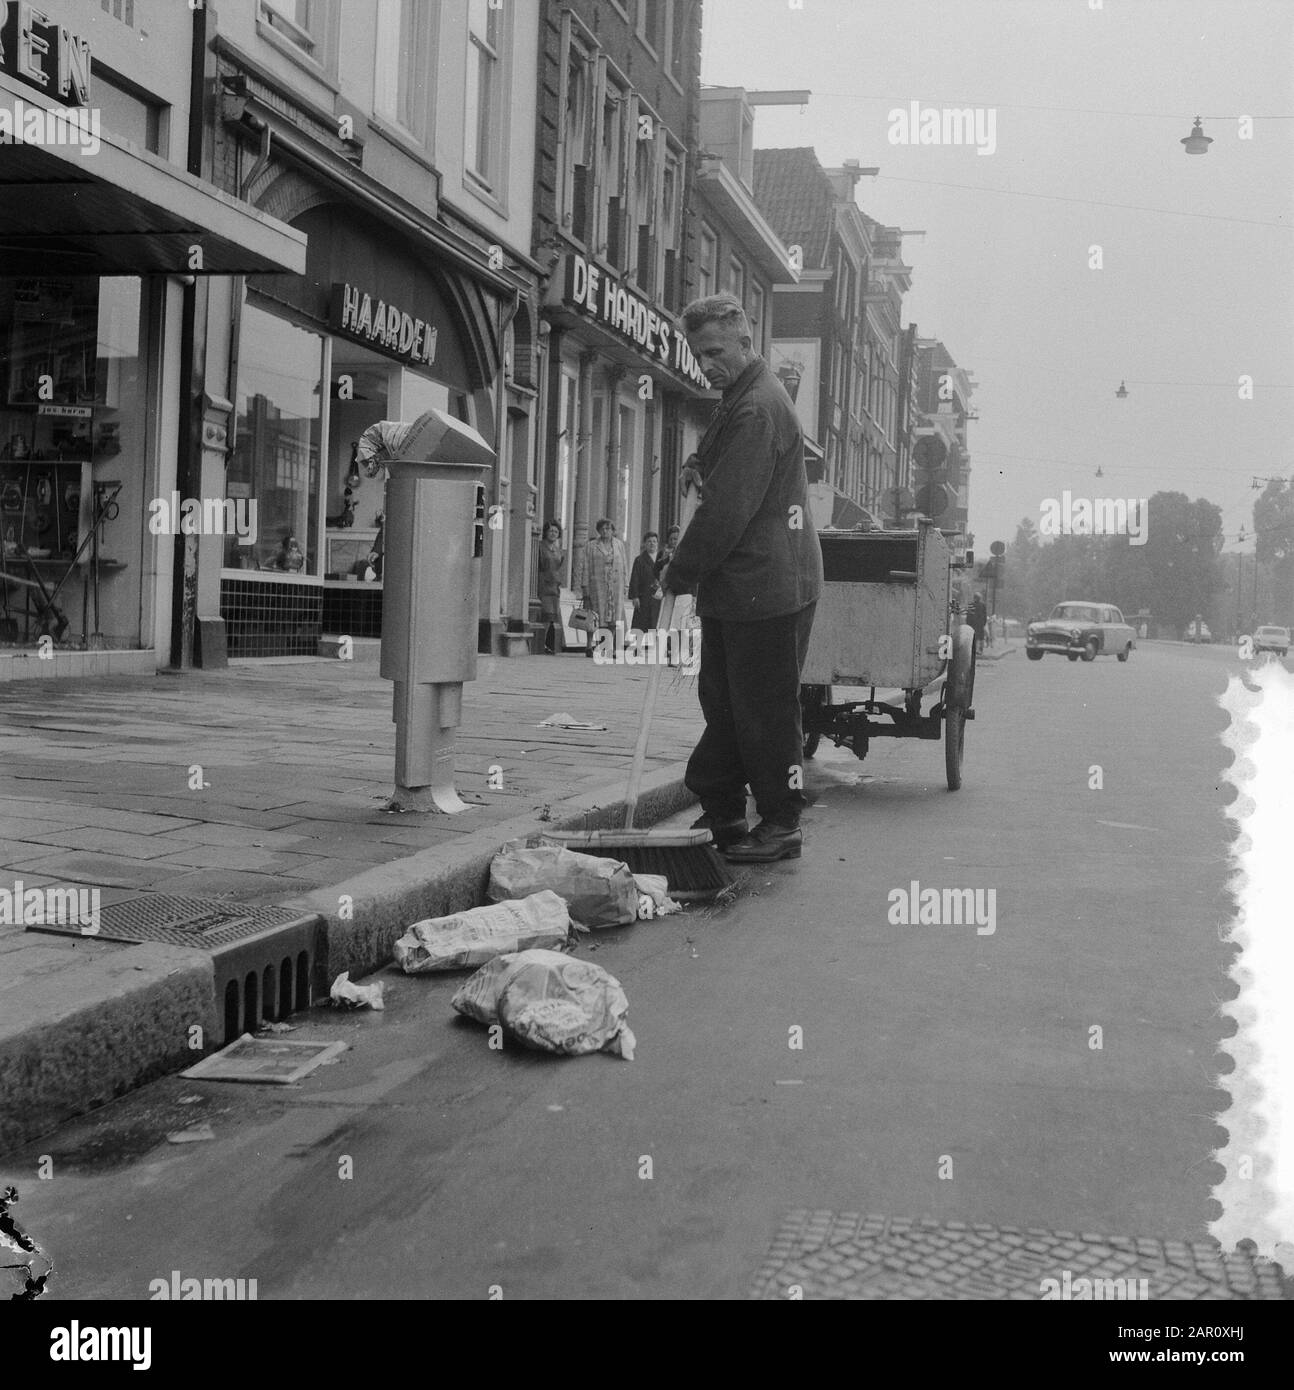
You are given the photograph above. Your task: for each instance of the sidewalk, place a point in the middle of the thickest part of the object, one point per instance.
(295, 759)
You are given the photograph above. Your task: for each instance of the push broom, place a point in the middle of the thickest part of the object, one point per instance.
(687, 859)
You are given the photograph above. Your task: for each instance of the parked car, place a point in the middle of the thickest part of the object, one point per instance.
(1272, 639)
(1199, 631)
(1086, 630)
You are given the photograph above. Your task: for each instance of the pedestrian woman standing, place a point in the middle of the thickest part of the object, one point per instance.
(604, 578)
(668, 549)
(644, 591)
(551, 559)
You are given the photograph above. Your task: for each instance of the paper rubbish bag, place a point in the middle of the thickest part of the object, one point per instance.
(551, 1002)
(481, 933)
(598, 892)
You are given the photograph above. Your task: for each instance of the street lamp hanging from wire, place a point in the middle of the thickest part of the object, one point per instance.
(1196, 142)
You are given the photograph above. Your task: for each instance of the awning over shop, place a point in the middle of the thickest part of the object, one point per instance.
(102, 206)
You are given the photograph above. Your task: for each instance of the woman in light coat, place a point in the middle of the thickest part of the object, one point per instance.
(604, 577)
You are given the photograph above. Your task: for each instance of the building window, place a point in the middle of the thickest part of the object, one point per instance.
(671, 203)
(577, 139)
(485, 91)
(707, 278)
(123, 10)
(611, 196)
(655, 24)
(402, 69)
(679, 30)
(298, 21)
(844, 286)
(736, 279)
(755, 313)
(646, 217)
(278, 436)
(124, 113)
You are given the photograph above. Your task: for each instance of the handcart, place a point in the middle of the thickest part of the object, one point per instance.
(888, 620)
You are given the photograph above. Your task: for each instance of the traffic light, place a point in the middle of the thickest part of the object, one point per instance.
(930, 456)
(933, 499)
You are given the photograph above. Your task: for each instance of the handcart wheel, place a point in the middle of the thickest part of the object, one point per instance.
(959, 691)
(959, 688)
(812, 699)
(954, 739)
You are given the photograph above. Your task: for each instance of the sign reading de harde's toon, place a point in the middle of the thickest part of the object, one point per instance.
(388, 328)
(40, 50)
(599, 295)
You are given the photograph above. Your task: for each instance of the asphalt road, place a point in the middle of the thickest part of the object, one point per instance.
(945, 1070)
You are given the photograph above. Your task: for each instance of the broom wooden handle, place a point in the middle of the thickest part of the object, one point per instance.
(690, 504)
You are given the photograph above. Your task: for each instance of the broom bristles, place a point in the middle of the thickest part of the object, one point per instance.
(686, 859)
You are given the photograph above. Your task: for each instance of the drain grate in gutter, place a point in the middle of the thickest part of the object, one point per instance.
(205, 923)
(267, 962)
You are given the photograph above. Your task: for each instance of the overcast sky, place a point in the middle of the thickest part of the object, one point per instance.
(1090, 106)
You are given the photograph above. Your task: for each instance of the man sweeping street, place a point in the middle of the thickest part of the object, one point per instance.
(752, 556)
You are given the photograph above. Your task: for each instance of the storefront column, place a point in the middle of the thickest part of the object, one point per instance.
(650, 481)
(211, 648)
(614, 377)
(583, 467)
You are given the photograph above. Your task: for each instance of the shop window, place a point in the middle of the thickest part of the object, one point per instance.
(354, 503)
(73, 398)
(401, 86)
(276, 453)
(486, 112)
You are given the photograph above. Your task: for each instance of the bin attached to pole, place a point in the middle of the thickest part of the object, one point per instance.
(434, 537)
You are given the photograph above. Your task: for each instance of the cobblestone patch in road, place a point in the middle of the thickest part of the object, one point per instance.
(846, 1255)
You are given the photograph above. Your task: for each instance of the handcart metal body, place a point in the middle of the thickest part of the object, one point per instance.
(887, 620)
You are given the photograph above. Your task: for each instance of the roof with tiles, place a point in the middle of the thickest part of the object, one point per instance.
(795, 196)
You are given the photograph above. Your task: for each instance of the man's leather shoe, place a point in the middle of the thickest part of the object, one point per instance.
(723, 831)
(765, 844)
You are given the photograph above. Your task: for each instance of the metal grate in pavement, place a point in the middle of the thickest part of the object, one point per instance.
(205, 923)
(846, 1255)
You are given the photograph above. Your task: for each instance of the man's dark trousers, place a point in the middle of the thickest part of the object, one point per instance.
(749, 687)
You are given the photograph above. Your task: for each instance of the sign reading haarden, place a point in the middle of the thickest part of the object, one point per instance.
(356, 314)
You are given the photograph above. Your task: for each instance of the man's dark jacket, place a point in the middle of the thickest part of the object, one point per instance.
(751, 551)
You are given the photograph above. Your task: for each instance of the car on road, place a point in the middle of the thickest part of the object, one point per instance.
(1079, 629)
(1269, 638)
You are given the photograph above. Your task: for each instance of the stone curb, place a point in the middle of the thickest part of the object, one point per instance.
(78, 1037)
(448, 878)
(91, 1032)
